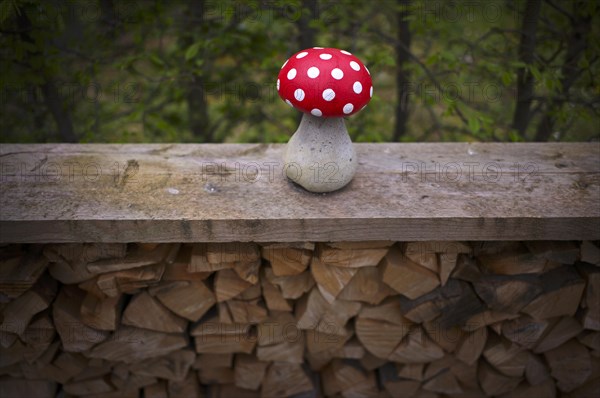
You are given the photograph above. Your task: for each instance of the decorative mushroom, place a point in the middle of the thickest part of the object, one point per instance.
(326, 84)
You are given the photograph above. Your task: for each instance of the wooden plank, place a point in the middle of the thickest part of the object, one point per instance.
(404, 192)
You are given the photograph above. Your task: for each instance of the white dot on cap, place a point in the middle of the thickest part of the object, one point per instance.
(354, 66)
(328, 94)
(325, 56)
(302, 55)
(313, 72)
(318, 48)
(316, 112)
(345, 52)
(371, 91)
(289, 103)
(291, 74)
(278, 83)
(348, 108)
(284, 64)
(299, 94)
(367, 69)
(357, 87)
(337, 73)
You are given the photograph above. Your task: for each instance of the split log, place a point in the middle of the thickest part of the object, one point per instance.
(331, 280)
(471, 346)
(10, 387)
(366, 286)
(407, 277)
(232, 252)
(513, 263)
(591, 315)
(17, 314)
(560, 331)
(19, 273)
(525, 331)
(248, 270)
(213, 375)
(246, 311)
(446, 337)
(181, 268)
(213, 337)
(292, 287)
(38, 337)
(277, 328)
(380, 329)
(129, 344)
(287, 351)
(156, 390)
(559, 251)
(426, 260)
(487, 318)
(172, 366)
(590, 253)
(412, 371)
(345, 377)
(508, 294)
(134, 259)
(228, 285)
(130, 281)
(536, 370)
(285, 379)
(189, 388)
(394, 385)
(287, 261)
(75, 335)
(144, 311)
(351, 256)
(570, 365)
(494, 383)
(447, 263)
(199, 261)
(101, 314)
(466, 269)
(273, 296)
(213, 361)
(455, 303)
(443, 383)
(249, 372)
(371, 362)
(499, 351)
(524, 390)
(188, 299)
(562, 291)
(314, 312)
(590, 339)
(416, 348)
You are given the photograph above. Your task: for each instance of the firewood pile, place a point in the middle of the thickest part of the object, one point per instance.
(349, 319)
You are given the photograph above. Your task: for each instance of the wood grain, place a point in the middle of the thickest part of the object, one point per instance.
(237, 192)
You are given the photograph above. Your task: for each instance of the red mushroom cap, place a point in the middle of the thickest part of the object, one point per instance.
(326, 82)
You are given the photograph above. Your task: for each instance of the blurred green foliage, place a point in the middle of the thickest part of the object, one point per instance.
(204, 71)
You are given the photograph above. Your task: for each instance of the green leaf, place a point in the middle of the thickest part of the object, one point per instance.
(474, 124)
(535, 72)
(156, 60)
(507, 78)
(192, 50)
(7, 9)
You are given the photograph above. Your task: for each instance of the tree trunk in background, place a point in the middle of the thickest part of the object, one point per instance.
(306, 34)
(580, 28)
(402, 73)
(526, 55)
(196, 88)
(52, 99)
(61, 116)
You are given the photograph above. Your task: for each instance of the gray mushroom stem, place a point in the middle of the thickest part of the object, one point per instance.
(320, 156)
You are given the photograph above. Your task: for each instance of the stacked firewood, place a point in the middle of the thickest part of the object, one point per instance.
(349, 319)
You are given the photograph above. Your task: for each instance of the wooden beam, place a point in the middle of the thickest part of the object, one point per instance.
(191, 201)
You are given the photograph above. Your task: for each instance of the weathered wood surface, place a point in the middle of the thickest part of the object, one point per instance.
(237, 192)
